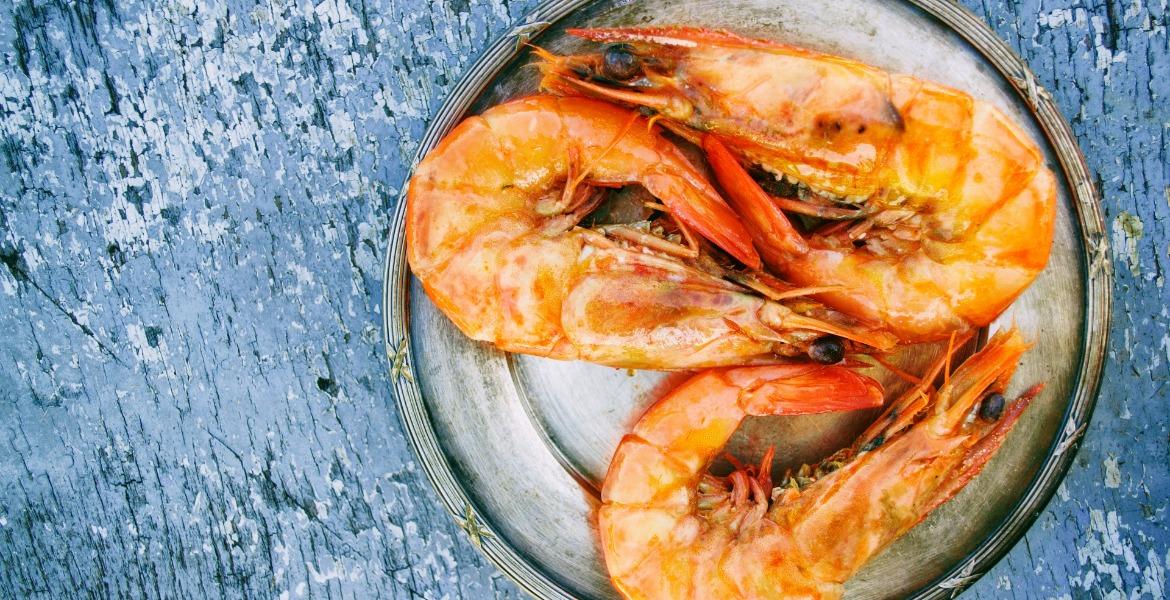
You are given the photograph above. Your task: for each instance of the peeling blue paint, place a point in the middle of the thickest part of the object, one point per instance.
(194, 198)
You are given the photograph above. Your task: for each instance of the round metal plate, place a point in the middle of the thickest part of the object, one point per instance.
(516, 445)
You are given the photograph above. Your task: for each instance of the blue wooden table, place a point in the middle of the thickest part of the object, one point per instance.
(194, 202)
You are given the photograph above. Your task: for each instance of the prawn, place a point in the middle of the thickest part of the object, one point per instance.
(494, 234)
(929, 211)
(670, 529)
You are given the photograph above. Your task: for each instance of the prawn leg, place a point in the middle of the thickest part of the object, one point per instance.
(773, 233)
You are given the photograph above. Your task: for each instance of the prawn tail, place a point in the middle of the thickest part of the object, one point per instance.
(803, 389)
(770, 229)
(699, 206)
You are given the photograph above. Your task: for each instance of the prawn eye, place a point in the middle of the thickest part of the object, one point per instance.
(992, 407)
(618, 62)
(827, 350)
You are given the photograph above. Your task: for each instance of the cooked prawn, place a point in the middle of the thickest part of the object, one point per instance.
(927, 209)
(671, 530)
(492, 232)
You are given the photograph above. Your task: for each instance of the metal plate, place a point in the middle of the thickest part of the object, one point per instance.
(515, 445)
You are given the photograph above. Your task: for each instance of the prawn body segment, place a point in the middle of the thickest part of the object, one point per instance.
(946, 208)
(656, 544)
(669, 529)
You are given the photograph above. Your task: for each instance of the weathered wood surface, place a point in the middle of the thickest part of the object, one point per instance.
(194, 199)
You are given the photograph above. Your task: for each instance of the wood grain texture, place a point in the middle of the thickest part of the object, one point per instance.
(194, 198)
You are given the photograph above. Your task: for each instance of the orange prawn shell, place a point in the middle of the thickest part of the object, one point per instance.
(978, 184)
(490, 233)
(655, 546)
(666, 536)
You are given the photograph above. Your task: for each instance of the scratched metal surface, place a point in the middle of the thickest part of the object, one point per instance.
(193, 202)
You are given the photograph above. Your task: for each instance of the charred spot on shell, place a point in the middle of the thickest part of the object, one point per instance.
(827, 126)
(828, 467)
(774, 185)
(991, 409)
(625, 205)
(827, 350)
(894, 116)
(873, 444)
(620, 63)
(881, 121)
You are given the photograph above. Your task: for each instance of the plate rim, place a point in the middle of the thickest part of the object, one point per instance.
(1097, 295)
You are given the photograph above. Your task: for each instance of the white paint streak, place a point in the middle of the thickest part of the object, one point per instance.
(1109, 552)
(343, 130)
(1061, 17)
(7, 283)
(1112, 473)
(1154, 575)
(1106, 57)
(304, 277)
(205, 227)
(1128, 230)
(142, 348)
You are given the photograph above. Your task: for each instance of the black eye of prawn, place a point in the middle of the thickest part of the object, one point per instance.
(827, 350)
(992, 407)
(618, 62)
